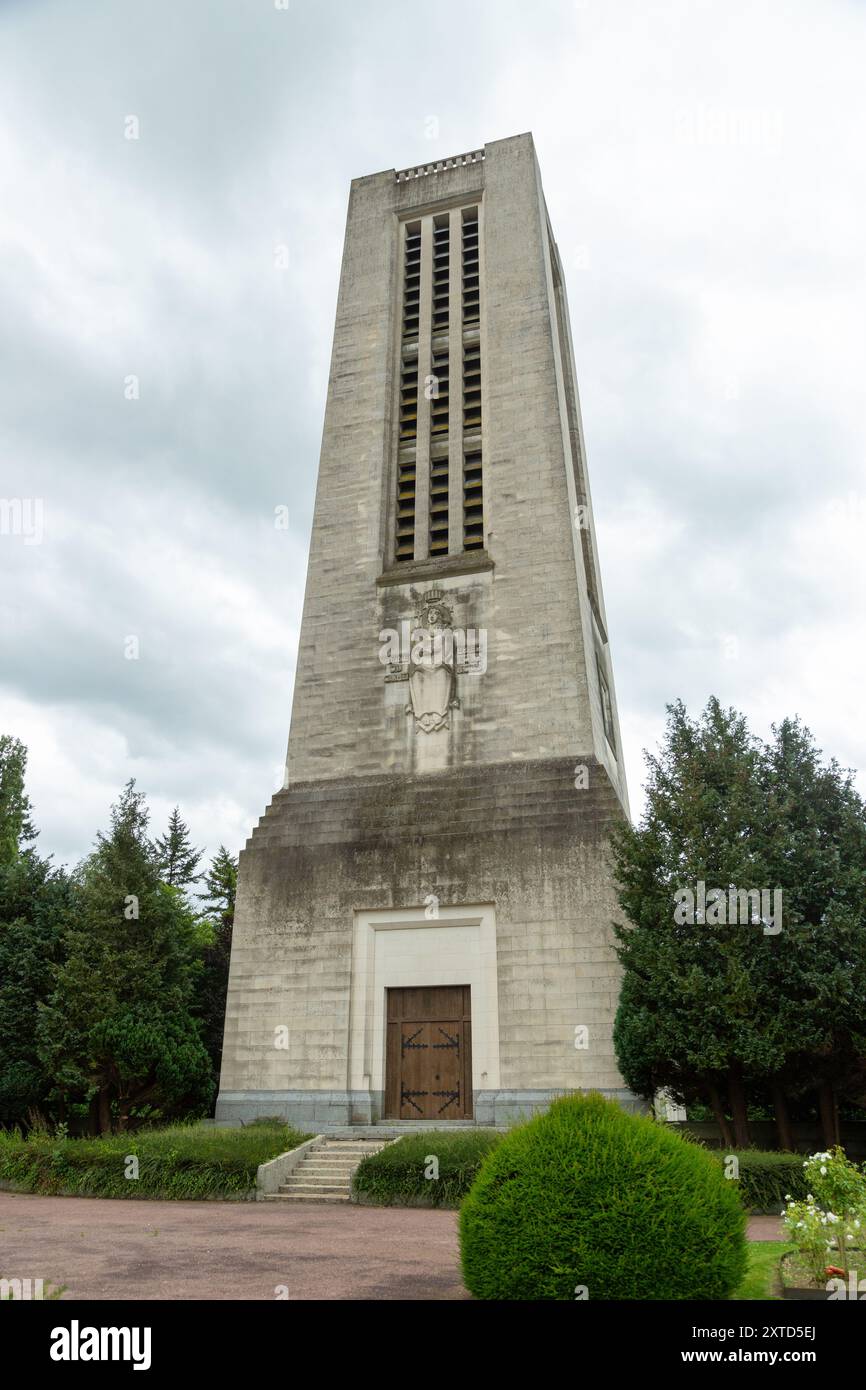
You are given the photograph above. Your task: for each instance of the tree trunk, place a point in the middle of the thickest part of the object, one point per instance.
(739, 1114)
(93, 1117)
(829, 1113)
(784, 1132)
(721, 1117)
(104, 1111)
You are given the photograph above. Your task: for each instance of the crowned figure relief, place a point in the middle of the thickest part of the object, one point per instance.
(432, 683)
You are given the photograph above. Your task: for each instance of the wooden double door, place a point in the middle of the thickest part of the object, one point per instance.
(428, 1060)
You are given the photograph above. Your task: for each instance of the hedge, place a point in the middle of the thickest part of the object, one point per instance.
(184, 1161)
(396, 1175)
(766, 1178)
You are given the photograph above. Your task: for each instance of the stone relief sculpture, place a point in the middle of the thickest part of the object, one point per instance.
(432, 683)
(430, 653)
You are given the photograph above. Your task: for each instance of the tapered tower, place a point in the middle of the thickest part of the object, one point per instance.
(422, 927)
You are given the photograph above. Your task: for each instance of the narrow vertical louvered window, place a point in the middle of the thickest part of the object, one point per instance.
(473, 502)
(439, 454)
(439, 393)
(412, 281)
(440, 496)
(441, 273)
(408, 441)
(471, 282)
(473, 492)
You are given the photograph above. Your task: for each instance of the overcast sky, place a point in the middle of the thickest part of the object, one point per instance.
(705, 170)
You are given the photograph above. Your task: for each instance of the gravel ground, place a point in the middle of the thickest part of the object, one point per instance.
(230, 1250)
(127, 1249)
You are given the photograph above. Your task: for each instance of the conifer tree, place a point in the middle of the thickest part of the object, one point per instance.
(218, 898)
(118, 1031)
(35, 905)
(177, 859)
(16, 827)
(686, 1019)
(814, 846)
(721, 1012)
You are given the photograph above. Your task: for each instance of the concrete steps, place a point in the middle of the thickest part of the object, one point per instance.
(325, 1172)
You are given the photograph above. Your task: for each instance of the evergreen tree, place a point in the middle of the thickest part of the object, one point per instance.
(686, 1018)
(718, 1013)
(218, 898)
(118, 1032)
(177, 859)
(814, 847)
(16, 828)
(34, 909)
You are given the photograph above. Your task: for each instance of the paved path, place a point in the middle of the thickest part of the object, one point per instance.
(765, 1228)
(228, 1250)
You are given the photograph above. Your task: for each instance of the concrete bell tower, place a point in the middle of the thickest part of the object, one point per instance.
(422, 927)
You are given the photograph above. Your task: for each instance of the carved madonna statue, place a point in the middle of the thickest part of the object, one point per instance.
(432, 684)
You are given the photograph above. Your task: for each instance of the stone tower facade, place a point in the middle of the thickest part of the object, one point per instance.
(422, 925)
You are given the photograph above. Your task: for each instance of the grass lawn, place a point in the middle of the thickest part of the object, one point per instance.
(760, 1277)
(181, 1161)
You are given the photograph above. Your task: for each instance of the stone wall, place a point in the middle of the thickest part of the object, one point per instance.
(539, 690)
(484, 810)
(517, 835)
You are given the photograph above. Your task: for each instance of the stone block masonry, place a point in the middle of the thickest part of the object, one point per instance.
(441, 842)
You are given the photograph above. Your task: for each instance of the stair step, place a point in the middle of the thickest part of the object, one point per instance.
(323, 1183)
(346, 1146)
(331, 1157)
(307, 1197)
(325, 1172)
(342, 1158)
(328, 1179)
(320, 1156)
(344, 1170)
(318, 1180)
(339, 1152)
(301, 1189)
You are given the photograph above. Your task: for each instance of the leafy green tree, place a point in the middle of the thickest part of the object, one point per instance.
(218, 899)
(178, 860)
(118, 1032)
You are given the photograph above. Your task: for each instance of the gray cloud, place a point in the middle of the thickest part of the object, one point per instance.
(704, 172)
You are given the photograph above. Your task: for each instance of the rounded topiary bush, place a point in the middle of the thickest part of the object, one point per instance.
(587, 1196)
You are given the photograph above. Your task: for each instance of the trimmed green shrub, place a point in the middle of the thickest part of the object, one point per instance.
(589, 1197)
(183, 1161)
(767, 1179)
(396, 1176)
